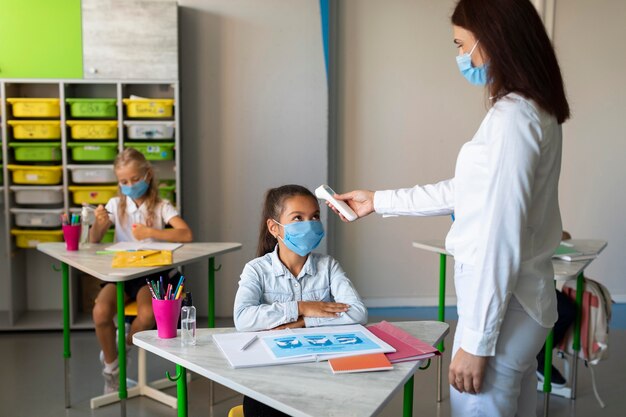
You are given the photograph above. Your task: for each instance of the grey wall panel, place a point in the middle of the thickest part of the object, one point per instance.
(130, 39)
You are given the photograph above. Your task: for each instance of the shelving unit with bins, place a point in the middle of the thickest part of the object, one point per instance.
(34, 300)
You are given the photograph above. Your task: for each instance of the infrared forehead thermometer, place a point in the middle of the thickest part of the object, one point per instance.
(324, 192)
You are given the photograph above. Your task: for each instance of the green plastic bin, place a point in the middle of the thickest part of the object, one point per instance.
(37, 151)
(93, 151)
(93, 107)
(166, 191)
(154, 151)
(108, 236)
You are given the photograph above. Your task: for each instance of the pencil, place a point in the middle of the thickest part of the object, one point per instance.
(180, 282)
(155, 287)
(150, 288)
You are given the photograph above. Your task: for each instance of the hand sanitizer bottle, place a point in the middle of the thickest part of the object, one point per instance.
(188, 322)
(85, 222)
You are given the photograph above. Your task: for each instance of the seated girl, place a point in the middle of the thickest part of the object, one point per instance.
(287, 286)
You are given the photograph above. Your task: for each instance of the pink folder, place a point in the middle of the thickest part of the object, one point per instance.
(408, 348)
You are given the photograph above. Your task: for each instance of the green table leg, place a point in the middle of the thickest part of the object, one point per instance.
(121, 346)
(580, 282)
(442, 314)
(67, 354)
(211, 293)
(181, 390)
(547, 371)
(408, 398)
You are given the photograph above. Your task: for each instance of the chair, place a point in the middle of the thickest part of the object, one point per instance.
(236, 411)
(142, 387)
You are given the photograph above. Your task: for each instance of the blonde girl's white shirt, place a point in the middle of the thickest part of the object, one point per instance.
(164, 212)
(504, 196)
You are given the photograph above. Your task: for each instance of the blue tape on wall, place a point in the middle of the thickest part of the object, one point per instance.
(324, 6)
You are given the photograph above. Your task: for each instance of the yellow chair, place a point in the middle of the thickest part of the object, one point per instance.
(236, 411)
(130, 309)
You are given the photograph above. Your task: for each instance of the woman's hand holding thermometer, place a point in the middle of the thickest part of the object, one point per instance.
(324, 192)
(350, 206)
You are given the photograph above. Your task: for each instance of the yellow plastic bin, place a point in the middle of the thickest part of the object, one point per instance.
(149, 108)
(92, 194)
(27, 239)
(35, 107)
(36, 129)
(93, 129)
(35, 174)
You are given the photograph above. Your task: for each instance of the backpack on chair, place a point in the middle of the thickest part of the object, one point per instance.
(594, 328)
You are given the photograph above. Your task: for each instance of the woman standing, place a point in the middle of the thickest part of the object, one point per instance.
(504, 196)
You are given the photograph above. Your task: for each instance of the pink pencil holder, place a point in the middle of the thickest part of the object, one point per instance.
(71, 234)
(166, 313)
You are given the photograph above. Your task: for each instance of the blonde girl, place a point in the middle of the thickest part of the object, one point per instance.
(139, 215)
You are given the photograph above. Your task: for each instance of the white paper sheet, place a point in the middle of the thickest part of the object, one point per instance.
(126, 246)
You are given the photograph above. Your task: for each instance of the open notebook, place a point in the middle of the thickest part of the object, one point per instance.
(279, 347)
(130, 246)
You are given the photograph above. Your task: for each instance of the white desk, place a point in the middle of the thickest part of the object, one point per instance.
(301, 390)
(563, 270)
(87, 260)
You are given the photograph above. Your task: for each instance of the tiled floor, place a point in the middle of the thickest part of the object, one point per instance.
(32, 382)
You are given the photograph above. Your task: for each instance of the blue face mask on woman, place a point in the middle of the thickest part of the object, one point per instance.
(302, 237)
(136, 190)
(475, 75)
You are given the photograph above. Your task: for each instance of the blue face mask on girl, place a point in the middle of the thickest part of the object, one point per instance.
(302, 237)
(475, 75)
(135, 191)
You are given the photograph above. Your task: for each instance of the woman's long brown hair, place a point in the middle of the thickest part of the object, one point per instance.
(521, 58)
(131, 156)
(272, 209)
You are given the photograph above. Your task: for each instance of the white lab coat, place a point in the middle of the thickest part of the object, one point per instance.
(504, 195)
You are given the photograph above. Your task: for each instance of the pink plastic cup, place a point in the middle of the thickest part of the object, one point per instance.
(71, 234)
(166, 313)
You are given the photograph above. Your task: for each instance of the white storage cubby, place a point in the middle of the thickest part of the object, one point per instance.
(38, 206)
(25, 217)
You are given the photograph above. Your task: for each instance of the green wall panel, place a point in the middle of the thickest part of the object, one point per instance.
(40, 39)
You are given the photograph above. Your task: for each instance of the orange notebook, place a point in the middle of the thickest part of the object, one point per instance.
(360, 363)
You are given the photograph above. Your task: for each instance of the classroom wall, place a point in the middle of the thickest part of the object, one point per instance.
(593, 179)
(405, 111)
(254, 116)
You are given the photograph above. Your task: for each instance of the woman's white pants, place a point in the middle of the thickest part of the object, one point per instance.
(510, 384)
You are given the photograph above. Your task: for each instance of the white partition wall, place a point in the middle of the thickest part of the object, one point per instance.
(254, 92)
(405, 111)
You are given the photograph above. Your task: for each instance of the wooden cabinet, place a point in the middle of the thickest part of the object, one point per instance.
(92, 39)
(130, 39)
